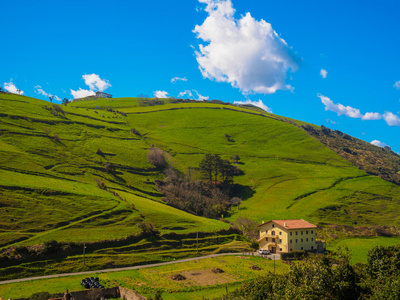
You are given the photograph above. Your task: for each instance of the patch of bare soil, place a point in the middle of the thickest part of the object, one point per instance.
(207, 277)
(255, 267)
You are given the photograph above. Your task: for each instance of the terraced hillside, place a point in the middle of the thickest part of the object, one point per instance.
(55, 184)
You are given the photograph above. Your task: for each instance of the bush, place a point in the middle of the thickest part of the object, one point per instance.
(41, 296)
(156, 158)
(294, 255)
(51, 247)
(56, 137)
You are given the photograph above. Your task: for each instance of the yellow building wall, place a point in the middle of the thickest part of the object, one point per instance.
(302, 239)
(287, 239)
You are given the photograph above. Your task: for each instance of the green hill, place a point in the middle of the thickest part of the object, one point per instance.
(53, 165)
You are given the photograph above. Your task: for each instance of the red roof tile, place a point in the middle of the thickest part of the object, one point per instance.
(293, 224)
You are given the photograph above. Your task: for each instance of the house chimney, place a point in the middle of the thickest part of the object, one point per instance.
(285, 224)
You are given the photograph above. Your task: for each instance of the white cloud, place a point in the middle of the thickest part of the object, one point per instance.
(10, 87)
(175, 79)
(259, 104)
(81, 93)
(391, 119)
(339, 108)
(372, 116)
(161, 94)
(40, 91)
(184, 93)
(378, 143)
(190, 95)
(94, 82)
(246, 53)
(330, 121)
(397, 85)
(323, 73)
(201, 97)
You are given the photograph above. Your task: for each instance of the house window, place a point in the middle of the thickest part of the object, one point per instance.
(273, 225)
(291, 249)
(280, 232)
(266, 239)
(301, 240)
(306, 231)
(306, 239)
(280, 241)
(312, 247)
(280, 249)
(291, 233)
(290, 241)
(312, 239)
(302, 233)
(301, 248)
(273, 240)
(312, 231)
(296, 232)
(273, 233)
(296, 240)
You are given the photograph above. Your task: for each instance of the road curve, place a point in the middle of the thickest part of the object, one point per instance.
(129, 268)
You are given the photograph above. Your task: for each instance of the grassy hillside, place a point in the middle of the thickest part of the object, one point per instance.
(53, 158)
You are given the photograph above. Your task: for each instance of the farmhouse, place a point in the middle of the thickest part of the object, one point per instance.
(103, 95)
(289, 235)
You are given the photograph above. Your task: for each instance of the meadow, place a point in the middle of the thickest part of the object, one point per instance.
(200, 280)
(55, 184)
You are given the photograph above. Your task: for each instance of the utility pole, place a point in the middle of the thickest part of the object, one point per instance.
(197, 242)
(274, 263)
(84, 247)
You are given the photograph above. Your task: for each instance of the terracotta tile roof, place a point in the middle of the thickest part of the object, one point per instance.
(293, 224)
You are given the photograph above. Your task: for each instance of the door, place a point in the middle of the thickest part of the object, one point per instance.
(273, 250)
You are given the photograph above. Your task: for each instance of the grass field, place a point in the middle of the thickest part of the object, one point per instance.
(52, 162)
(200, 278)
(360, 246)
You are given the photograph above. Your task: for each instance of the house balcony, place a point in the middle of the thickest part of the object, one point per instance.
(269, 237)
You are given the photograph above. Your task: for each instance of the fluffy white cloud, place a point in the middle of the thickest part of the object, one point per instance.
(391, 119)
(94, 82)
(175, 79)
(81, 93)
(397, 85)
(339, 108)
(372, 116)
(40, 91)
(190, 95)
(246, 53)
(323, 73)
(378, 143)
(161, 94)
(10, 87)
(259, 104)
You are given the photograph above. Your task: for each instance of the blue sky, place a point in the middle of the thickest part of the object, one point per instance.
(267, 52)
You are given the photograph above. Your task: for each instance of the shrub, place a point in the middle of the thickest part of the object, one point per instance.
(41, 296)
(56, 137)
(156, 158)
